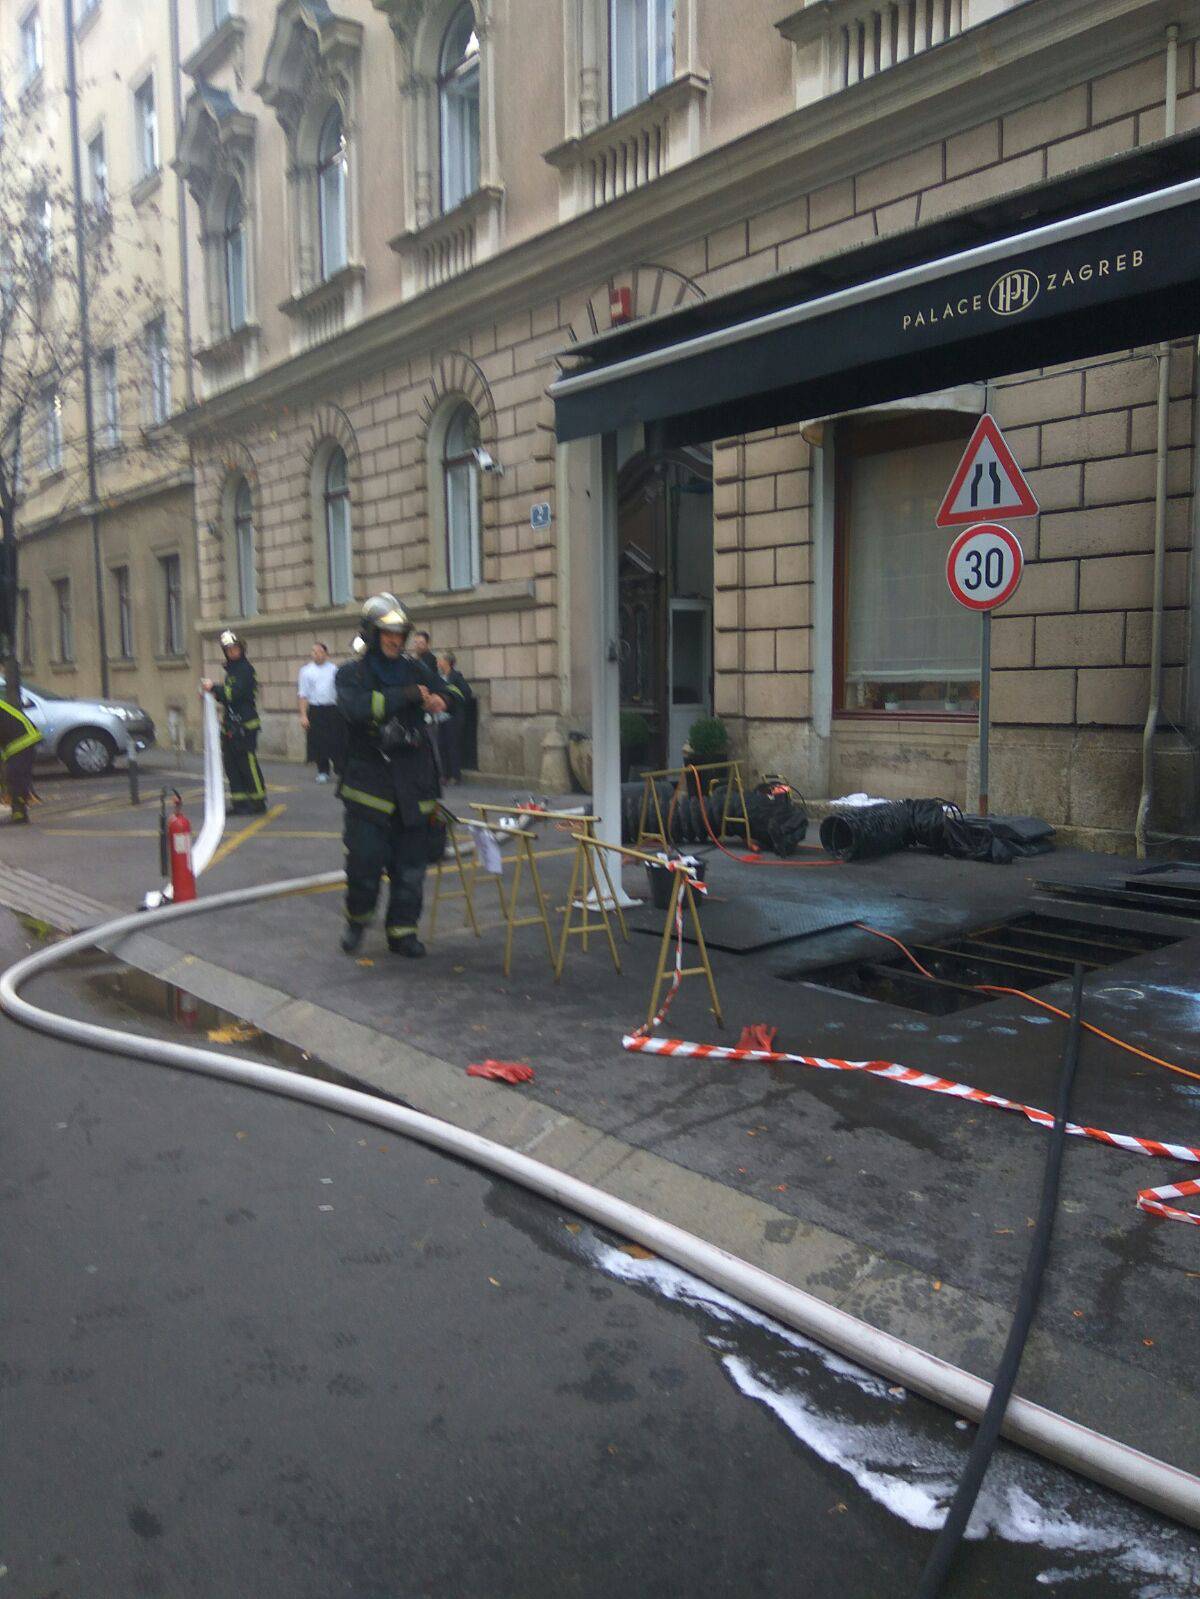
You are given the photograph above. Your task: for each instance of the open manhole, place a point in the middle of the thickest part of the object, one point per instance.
(1027, 952)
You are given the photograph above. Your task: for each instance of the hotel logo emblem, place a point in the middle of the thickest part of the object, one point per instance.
(1015, 291)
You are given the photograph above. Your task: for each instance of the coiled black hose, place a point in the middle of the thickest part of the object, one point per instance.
(867, 831)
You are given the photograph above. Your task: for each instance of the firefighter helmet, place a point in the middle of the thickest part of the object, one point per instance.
(229, 638)
(384, 611)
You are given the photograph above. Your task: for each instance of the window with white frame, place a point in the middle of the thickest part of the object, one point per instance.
(338, 545)
(52, 438)
(243, 540)
(31, 46)
(145, 125)
(97, 173)
(332, 161)
(124, 598)
(171, 576)
(106, 401)
(234, 259)
(460, 485)
(63, 618)
(641, 50)
(158, 370)
(458, 108)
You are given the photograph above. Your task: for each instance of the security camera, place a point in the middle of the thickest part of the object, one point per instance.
(487, 463)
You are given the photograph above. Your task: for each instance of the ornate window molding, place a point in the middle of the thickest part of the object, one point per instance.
(602, 156)
(437, 244)
(216, 161)
(221, 44)
(311, 68)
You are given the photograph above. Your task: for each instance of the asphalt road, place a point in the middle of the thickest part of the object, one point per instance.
(248, 1348)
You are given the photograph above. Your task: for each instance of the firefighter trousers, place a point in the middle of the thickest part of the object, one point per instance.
(385, 845)
(247, 791)
(18, 779)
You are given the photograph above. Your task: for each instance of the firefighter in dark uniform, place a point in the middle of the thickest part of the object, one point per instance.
(390, 784)
(18, 737)
(239, 728)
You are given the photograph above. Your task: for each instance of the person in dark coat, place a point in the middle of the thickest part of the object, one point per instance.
(18, 739)
(240, 724)
(390, 784)
(452, 732)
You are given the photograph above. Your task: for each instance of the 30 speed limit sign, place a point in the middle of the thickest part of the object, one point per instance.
(984, 566)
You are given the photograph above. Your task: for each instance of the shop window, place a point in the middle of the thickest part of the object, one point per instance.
(903, 645)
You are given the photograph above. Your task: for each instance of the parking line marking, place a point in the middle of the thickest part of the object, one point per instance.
(239, 839)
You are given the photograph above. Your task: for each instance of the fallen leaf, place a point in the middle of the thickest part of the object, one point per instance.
(460, 968)
(572, 1226)
(1149, 1342)
(365, 961)
(637, 1252)
(999, 1230)
(233, 1033)
(781, 1188)
(241, 1135)
(937, 1287)
(837, 1509)
(897, 1392)
(495, 1281)
(1078, 1314)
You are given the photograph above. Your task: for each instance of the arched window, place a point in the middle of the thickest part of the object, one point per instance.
(234, 249)
(641, 50)
(332, 161)
(337, 528)
(243, 541)
(460, 477)
(458, 108)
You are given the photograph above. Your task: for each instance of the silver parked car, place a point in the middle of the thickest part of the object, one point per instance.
(85, 735)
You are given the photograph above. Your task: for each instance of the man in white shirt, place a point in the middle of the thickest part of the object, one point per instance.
(319, 715)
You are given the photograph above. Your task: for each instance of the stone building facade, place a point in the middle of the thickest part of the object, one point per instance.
(144, 542)
(431, 202)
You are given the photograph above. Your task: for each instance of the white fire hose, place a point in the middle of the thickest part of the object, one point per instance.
(1156, 1483)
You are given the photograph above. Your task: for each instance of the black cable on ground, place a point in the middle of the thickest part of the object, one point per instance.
(955, 1525)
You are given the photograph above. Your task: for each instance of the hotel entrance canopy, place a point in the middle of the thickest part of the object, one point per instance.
(1105, 259)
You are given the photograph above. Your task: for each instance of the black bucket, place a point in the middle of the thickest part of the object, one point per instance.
(660, 882)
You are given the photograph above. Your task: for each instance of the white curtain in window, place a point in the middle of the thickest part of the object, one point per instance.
(331, 194)
(458, 96)
(247, 574)
(641, 36)
(902, 623)
(461, 479)
(337, 529)
(235, 260)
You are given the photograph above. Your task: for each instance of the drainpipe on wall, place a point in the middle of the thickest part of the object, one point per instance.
(185, 297)
(1160, 512)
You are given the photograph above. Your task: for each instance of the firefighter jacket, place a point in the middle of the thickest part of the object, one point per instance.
(390, 770)
(17, 732)
(236, 696)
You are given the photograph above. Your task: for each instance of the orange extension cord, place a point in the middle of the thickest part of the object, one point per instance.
(996, 988)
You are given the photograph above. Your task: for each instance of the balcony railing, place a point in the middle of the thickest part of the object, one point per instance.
(452, 244)
(843, 42)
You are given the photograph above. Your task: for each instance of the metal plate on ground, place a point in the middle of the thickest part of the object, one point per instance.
(750, 923)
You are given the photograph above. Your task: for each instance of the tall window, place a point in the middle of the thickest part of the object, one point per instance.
(25, 613)
(460, 476)
(62, 612)
(31, 46)
(52, 442)
(332, 162)
(41, 218)
(145, 122)
(97, 171)
(108, 409)
(641, 50)
(124, 612)
(903, 644)
(158, 369)
(458, 108)
(234, 241)
(243, 538)
(337, 528)
(172, 592)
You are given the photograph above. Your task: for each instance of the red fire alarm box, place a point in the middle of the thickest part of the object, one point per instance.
(620, 306)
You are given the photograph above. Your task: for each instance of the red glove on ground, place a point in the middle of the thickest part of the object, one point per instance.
(503, 1071)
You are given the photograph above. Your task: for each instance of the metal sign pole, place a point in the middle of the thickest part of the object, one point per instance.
(985, 705)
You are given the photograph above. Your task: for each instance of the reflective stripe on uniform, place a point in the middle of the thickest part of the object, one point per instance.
(259, 790)
(427, 807)
(252, 726)
(25, 742)
(371, 801)
(378, 706)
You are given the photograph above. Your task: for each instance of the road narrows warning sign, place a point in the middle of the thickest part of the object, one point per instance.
(988, 482)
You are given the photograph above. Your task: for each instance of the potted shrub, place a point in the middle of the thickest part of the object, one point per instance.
(635, 740)
(708, 740)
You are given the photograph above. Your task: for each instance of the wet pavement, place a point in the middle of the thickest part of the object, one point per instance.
(249, 1347)
(941, 1192)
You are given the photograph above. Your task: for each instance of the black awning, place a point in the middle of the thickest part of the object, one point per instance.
(1105, 260)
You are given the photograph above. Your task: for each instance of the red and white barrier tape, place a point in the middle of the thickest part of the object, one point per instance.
(1151, 1200)
(688, 872)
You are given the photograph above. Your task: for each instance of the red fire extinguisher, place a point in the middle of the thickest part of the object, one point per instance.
(179, 835)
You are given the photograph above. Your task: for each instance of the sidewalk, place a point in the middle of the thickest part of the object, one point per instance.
(904, 1208)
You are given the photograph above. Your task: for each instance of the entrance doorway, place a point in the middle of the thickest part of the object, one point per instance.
(665, 586)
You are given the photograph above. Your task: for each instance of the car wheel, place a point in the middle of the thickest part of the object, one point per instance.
(89, 753)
